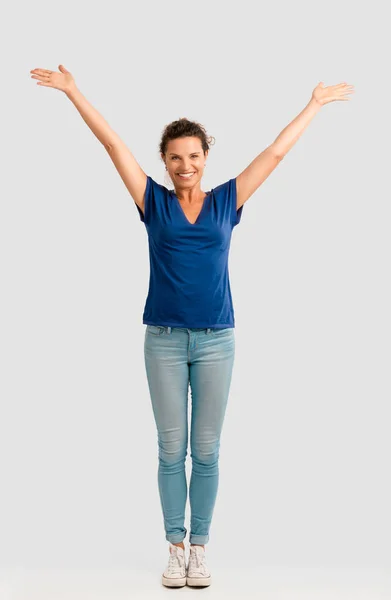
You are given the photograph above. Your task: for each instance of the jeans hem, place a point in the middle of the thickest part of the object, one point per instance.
(198, 539)
(175, 539)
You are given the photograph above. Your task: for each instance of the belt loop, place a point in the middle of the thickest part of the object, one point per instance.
(208, 330)
(168, 329)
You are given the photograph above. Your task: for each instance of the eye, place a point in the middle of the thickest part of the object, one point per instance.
(193, 156)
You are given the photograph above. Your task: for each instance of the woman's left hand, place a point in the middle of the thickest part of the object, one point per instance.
(323, 95)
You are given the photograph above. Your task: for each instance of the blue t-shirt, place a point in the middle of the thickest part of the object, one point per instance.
(189, 278)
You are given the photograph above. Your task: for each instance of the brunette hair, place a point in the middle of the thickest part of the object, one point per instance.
(185, 128)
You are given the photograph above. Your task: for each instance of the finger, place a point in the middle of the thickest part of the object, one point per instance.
(345, 91)
(45, 84)
(338, 97)
(42, 77)
(41, 71)
(41, 74)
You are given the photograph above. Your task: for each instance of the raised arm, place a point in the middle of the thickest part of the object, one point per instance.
(260, 168)
(130, 171)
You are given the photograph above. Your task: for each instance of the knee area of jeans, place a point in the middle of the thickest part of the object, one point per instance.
(170, 459)
(206, 453)
(205, 459)
(172, 450)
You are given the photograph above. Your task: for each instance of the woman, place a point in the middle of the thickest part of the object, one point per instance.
(189, 338)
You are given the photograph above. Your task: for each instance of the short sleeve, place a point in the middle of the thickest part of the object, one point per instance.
(226, 198)
(154, 200)
(145, 216)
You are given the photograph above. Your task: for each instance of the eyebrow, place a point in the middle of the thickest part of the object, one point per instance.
(175, 154)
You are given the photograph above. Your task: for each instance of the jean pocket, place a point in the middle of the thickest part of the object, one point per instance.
(222, 332)
(155, 329)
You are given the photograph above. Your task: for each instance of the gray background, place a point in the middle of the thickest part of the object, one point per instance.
(305, 448)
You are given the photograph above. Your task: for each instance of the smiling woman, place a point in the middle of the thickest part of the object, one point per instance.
(184, 148)
(190, 334)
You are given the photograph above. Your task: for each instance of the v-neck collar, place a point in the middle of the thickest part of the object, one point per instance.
(183, 212)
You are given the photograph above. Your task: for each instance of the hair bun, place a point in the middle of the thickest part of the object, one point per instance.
(183, 127)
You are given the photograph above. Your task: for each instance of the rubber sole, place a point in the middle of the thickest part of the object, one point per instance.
(199, 581)
(173, 581)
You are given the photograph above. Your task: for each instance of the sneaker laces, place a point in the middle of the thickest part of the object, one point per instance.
(196, 559)
(175, 562)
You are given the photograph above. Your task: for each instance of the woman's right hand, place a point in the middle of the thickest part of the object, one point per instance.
(60, 81)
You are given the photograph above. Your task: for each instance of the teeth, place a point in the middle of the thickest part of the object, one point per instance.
(186, 176)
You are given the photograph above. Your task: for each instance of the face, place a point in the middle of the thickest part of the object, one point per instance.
(185, 155)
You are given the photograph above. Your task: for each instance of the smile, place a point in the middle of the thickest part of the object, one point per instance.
(185, 176)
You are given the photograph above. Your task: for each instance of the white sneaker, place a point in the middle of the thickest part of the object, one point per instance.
(175, 574)
(198, 573)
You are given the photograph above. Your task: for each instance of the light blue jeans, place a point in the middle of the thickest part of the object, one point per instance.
(176, 357)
